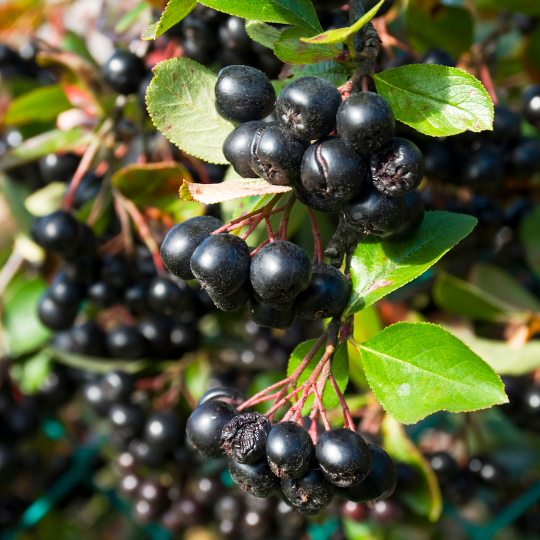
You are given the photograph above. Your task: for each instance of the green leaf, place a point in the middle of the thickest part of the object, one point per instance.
(295, 12)
(263, 33)
(528, 7)
(181, 104)
(340, 370)
(175, 11)
(197, 376)
(431, 23)
(382, 266)
(34, 371)
(365, 530)
(457, 296)
(47, 143)
(528, 234)
(416, 369)
(504, 359)
(71, 41)
(436, 100)
(22, 329)
(131, 17)
(341, 35)
(425, 498)
(39, 105)
(46, 200)
(335, 72)
(502, 285)
(290, 49)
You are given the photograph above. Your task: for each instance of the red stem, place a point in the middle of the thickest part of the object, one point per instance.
(320, 409)
(269, 229)
(485, 77)
(346, 413)
(316, 235)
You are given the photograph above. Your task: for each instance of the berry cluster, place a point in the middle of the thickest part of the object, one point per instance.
(266, 459)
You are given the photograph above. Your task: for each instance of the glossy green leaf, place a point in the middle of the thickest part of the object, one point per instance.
(263, 33)
(341, 35)
(416, 369)
(290, 49)
(22, 330)
(46, 200)
(382, 266)
(340, 370)
(528, 234)
(436, 100)
(295, 12)
(175, 11)
(39, 105)
(181, 105)
(197, 376)
(337, 73)
(34, 371)
(425, 498)
(56, 140)
(457, 296)
(431, 23)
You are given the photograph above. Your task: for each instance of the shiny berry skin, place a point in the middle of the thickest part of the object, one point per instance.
(279, 271)
(115, 271)
(153, 492)
(243, 439)
(205, 424)
(355, 511)
(64, 291)
(276, 155)
(117, 386)
(58, 167)
(124, 72)
(373, 213)
(506, 125)
(244, 93)
(490, 473)
(257, 479)
(93, 395)
(165, 295)
(484, 169)
(233, 35)
(326, 295)
(221, 263)
(530, 105)
(269, 317)
(440, 161)
(332, 170)
(126, 342)
(327, 206)
(156, 328)
(524, 158)
(55, 316)
(127, 419)
(443, 464)
(379, 483)
(184, 338)
(182, 241)
(198, 32)
(289, 450)
(88, 339)
(232, 302)
(58, 232)
(163, 430)
(413, 218)
(147, 455)
(438, 56)
(307, 108)
(344, 457)
(366, 121)
(237, 145)
(309, 494)
(397, 168)
(222, 393)
(102, 294)
(136, 297)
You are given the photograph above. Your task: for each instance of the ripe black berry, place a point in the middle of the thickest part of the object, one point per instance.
(147, 455)
(326, 295)
(276, 155)
(182, 241)
(267, 316)
(317, 203)
(93, 395)
(309, 494)
(156, 329)
(88, 339)
(232, 302)
(506, 125)
(64, 291)
(289, 449)
(440, 161)
(484, 169)
(307, 108)
(414, 215)
(244, 437)
(198, 32)
(126, 342)
(379, 483)
(58, 232)
(102, 294)
(372, 212)
(222, 393)
(279, 271)
(333, 170)
(244, 93)
(163, 430)
(117, 386)
(165, 295)
(438, 56)
(127, 419)
(397, 168)
(184, 338)
(221, 263)
(58, 167)
(136, 297)
(366, 121)
(530, 105)
(237, 146)
(124, 71)
(205, 424)
(524, 158)
(443, 464)
(115, 271)
(256, 479)
(55, 316)
(343, 456)
(233, 35)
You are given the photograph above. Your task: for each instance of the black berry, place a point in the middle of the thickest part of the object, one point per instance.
(317, 203)
(232, 35)
(165, 295)
(244, 437)
(256, 479)
(438, 56)
(524, 158)
(58, 232)
(506, 125)
(222, 393)
(127, 419)
(58, 167)
(237, 146)
(126, 342)
(530, 105)
(88, 339)
(309, 494)
(64, 291)
(414, 216)
(55, 316)
(163, 430)
(117, 386)
(234, 301)
(124, 72)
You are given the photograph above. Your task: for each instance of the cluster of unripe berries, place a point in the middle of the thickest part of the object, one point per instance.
(282, 459)
(166, 310)
(279, 281)
(340, 156)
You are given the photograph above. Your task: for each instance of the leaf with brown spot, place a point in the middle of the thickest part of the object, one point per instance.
(228, 190)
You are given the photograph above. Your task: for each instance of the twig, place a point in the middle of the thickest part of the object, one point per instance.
(346, 413)
(9, 269)
(318, 255)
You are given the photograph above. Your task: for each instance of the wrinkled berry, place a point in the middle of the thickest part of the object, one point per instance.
(244, 437)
